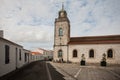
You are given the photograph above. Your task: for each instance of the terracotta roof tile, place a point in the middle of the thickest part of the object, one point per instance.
(35, 53)
(95, 39)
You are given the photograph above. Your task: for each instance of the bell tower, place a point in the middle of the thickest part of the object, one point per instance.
(61, 35)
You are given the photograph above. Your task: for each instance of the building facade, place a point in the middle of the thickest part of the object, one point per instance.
(93, 47)
(13, 56)
(45, 54)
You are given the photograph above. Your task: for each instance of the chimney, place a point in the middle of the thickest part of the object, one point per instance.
(1, 33)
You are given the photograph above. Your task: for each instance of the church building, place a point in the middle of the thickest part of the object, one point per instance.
(70, 49)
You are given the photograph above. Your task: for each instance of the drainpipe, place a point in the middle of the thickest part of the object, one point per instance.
(67, 53)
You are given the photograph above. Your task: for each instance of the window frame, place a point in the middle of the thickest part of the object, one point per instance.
(75, 53)
(60, 54)
(60, 32)
(25, 56)
(109, 55)
(20, 55)
(7, 54)
(91, 54)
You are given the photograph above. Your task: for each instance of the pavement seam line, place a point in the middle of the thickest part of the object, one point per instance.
(115, 74)
(67, 73)
(77, 73)
(48, 72)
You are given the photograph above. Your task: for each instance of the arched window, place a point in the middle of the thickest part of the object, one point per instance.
(74, 53)
(91, 53)
(110, 53)
(60, 32)
(60, 53)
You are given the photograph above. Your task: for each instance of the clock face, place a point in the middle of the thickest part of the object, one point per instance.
(62, 14)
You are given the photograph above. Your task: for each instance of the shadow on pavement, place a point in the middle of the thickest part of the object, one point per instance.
(34, 71)
(55, 74)
(16, 73)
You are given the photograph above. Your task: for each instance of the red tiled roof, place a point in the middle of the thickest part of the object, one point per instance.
(35, 53)
(111, 39)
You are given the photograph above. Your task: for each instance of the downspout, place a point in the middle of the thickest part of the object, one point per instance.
(67, 53)
(16, 57)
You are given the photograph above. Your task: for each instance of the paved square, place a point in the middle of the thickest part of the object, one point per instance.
(74, 71)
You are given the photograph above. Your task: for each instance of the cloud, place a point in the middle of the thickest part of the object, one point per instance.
(24, 33)
(31, 23)
(96, 18)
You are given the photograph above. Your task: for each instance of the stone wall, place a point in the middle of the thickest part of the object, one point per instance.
(65, 52)
(99, 49)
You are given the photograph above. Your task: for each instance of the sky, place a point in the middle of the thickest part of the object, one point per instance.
(30, 23)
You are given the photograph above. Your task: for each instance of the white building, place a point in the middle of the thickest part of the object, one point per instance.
(37, 56)
(27, 56)
(47, 54)
(12, 56)
(93, 47)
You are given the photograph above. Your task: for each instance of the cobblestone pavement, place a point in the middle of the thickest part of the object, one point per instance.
(73, 71)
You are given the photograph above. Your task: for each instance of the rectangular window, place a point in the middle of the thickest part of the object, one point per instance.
(25, 57)
(20, 54)
(7, 52)
(31, 56)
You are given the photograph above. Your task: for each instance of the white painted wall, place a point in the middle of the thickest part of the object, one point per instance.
(6, 68)
(20, 62)
(14, 62)
(28, 56)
